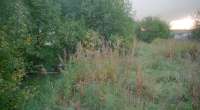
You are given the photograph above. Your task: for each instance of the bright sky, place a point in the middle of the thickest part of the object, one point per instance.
(175, 12)
(186, 23)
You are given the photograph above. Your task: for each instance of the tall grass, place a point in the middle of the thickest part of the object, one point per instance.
(157, 76)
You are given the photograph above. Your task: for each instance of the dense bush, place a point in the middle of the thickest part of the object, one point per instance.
(12, 70)
(196, 30)
(33, 33)
(196, 34)
(111, 18)
(42, 29)
(150, 28)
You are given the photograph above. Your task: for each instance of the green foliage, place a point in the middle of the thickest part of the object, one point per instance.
(11, 73)
(72, 33)
(41, 29)
(35, 32)
(108, 17)
(196, 30)
(151, 28)
(196, 34)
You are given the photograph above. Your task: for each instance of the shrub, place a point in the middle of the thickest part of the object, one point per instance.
(196, 30)
(151, 28)
(12, 71)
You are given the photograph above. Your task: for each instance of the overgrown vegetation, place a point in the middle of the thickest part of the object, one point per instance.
(83, 55)
(33, 34)
(158, 76)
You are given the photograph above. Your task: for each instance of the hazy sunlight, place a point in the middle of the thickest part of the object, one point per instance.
(182, 24)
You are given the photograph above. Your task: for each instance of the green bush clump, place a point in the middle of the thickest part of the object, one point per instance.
(196, 30)
(151, 28)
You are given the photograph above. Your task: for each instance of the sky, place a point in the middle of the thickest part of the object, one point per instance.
(168, 10)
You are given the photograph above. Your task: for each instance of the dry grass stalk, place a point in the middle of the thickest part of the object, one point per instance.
(195, 91)
(139, 80)
(195, 98)
(170, 49)
(77, 105)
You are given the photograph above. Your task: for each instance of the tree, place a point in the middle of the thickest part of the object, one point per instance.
(150, 28)
(196, 31)
(108, 17)
(40, 29)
